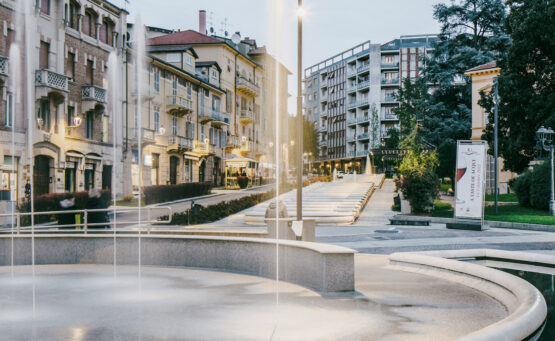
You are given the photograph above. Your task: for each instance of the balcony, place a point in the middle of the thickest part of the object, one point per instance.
(363, 85)
(351, 72)
(351, 138)
(246, 146)
(324, 98)
(390, 117)
(93, 93)
(362, 119)
(363, 152)
(324, 113)
(179, 143)
(323, 129)
(363, 68)
(232, 142)
(3, 66)
(145, 92)
(324, 84)
(247, 88)
(390, 81)
(389, 98)
(247, 116)
(390, 65)
(205, 115)
(351, 104)
(363, 136)
(147, 136)
(362, 102)
(324, 143)
(179, 106)
(201, 148)
(351, 153)
(220, 119)
(352, 88)
(50, 81)
(352, 121)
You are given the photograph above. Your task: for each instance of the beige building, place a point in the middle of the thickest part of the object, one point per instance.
(64, 84)
(182, 128)
(482, 81)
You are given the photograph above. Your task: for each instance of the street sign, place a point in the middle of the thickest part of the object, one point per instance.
(470, 180)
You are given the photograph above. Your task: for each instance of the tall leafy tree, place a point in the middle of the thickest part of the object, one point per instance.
(526, 83)
(414, 104)
(374, 127)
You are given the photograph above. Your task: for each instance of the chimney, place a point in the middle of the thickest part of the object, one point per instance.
(202, 21)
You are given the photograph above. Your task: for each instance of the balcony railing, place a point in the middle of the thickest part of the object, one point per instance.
(363, 152)
(352, 87)
(390, 65)
(352, 121)
(323, 143)
(232, 141)
(201, 147)
(324, 84)
(247, 116)
(391, 81)
(363, 136)
(389, 98)
(51, 79)
(362, 119)
(179, 104)
(246, 86)
(247, 146)
(220, 118)
(323, 129)
(363, 85)
(363, 68)
(362, 102)
(390, 117)
(147, 135)
(351, 138)
(351, 104)
(93, 93)
(351, 153)
(179, 142)
(3, 66)
(351, 72)
(324, 98)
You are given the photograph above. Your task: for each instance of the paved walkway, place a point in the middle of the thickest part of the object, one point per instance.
(177, 303)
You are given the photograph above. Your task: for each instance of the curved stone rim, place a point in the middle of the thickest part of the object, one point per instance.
(526, 305)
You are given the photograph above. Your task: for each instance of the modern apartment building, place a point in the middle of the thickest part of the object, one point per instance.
(64, 85)
(350, 98)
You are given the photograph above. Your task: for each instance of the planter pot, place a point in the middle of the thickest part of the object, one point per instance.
(405, 205)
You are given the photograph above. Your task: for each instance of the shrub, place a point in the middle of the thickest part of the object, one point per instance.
(532, 188)
(242, 181)
(420, 187)
(323, 178)
(164, 193)
(127, 197)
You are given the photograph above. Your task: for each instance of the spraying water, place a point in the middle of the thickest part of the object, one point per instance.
(15, 87)
(114, 80)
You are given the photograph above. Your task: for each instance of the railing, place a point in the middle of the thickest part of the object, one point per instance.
(324, 98)
(147, 135)
(362, 102)
(363, 85)
(351, 72)
(391, 81)
(324, 84)
(180, 102)
(247, 115)
(232, 140)
(323, 129)
(51, 79)
(389, 98)
(363, 68)
(351, 104)
(324, 113)
(202, 147)
(363, 152)
(3, 65)
(351, 138)
(180, 141)
(390, 65)
(351, 153)
(324, 143)
(220, 116)
(390, 117)
(247, 146)
(363, 136)
(363, 119)
(248, 84)
(148, 214)
(93, 93)
(352, 87)
(352, 121)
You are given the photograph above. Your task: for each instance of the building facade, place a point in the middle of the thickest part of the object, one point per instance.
(350, 97)
(61, 79)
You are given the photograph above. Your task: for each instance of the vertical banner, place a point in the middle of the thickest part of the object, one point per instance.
(470, 179)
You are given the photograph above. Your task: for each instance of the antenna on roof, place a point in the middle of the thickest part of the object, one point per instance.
(223, 29)
(211, 22)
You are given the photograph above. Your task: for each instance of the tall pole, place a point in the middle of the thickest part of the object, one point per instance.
(495, 129)
(552, 199)
(299, 113)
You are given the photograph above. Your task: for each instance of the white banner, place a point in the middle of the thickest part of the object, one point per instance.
(470, 179)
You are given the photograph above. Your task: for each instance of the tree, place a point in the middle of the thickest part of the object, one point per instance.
(310, 138)
(374, 127)
(526, 82)
(414, 102)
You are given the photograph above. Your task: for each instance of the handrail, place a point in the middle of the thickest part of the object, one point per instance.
(86, 224)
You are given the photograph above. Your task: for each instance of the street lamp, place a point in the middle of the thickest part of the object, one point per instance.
(495, 141)
(300, 14)
(545, 137)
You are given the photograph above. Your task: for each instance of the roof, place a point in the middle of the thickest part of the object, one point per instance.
(486, 66)
(209, 63)
(183, 37)
(172, 48)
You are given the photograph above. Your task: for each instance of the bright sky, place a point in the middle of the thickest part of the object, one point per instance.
(329, 26)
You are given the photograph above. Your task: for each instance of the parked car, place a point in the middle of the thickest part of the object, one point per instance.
(340, 174)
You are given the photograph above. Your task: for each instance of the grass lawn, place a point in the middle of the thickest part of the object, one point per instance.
(519, 214)
(131, 203)
(512, 213)
(509, 197)
(445, 187)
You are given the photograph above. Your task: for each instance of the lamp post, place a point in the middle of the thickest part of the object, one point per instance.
(300, 13)
(545, 137)
(495, 132)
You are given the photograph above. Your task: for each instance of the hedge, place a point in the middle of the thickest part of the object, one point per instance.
(51, 202)
(164, 193)
(533, 187)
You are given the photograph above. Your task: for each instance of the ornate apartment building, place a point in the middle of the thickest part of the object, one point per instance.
(350, 97)
(63, 84)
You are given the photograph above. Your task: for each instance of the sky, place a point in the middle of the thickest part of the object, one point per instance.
(329, 26)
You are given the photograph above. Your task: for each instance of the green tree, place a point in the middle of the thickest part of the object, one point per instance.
(310, 139)
(526, 82)
(414, 104)
(374, 127)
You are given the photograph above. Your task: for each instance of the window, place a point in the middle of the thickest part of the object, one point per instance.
(174, 87)
(189, 59)
(87, 26)
(8, 120)
(89, 125)
(202, 133)
(216, 103)
(174, 125)
(189, 91)
(106, 32)
(43, 55)
(156, 80)
(105, 126)
(70, 114)
(215, 74)
(157, 121)
(89, 73)
(45, 7)
(73, 15)
(228, 101)
(70, 66)
(173, 58)
(44, 114)
(202, 102)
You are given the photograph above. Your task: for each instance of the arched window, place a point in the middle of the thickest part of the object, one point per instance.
(106, 30)
(89, 21)
(73, 20)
